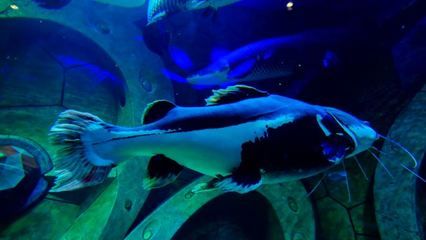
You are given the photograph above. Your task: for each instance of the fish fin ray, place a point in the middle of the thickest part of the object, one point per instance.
(240, 183)
(156, 110)
(234, 94)
(76, 165)
(243, 180)
(161, 171)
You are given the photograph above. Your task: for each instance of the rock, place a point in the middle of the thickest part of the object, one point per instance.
(84, 89)
(364, 221)
(30, 122)
(359, 186)
(108, 39)
(289, 215)
(395, 198)
(39, 222)
(334, 221)
(28, 75)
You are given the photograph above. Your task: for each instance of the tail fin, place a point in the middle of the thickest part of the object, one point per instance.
(76, 165)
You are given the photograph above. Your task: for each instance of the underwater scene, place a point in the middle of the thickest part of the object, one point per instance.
(213, 119)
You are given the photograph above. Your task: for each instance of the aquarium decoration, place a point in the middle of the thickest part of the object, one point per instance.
(291, 213)
(23, 167)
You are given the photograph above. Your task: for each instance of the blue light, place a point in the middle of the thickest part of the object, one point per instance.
(180, 58)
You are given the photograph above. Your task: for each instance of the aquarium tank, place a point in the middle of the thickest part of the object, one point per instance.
(213, 119)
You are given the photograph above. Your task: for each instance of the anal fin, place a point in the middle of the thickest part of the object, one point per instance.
(161, 171)
(240, 181)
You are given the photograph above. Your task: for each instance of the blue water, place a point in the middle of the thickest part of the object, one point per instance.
(112, 58)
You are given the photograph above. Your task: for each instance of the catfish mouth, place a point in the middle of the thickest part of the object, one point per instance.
(351, 144)
(347, 135)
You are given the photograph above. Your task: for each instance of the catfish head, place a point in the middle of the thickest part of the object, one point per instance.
(354, 135)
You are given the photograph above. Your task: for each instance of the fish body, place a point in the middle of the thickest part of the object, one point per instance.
(123, 3)
(159, 9)
(242, 138)
(52, 4)
(271, 58)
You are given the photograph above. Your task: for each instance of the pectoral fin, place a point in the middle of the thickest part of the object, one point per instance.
(161, 171)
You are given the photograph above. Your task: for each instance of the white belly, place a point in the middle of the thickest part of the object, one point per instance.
(217, 150)
(208, 151)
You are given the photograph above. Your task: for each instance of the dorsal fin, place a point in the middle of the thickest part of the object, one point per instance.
(156, 110)
(234, 94)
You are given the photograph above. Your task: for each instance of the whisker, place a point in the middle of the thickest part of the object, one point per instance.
(378, 150)
(414, 173)
(361, 168)
(347, 181)
(381, 163)
(316, 186)
(403, 149)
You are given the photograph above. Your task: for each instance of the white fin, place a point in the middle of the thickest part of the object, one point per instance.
(76, 166)
(228, 185)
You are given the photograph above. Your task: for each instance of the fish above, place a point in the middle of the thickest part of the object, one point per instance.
(123, 3)
(52, 4)
(159, 9)
(272, 58)
(243, 137)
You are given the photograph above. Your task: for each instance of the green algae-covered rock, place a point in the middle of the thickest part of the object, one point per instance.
(334, 222)
(48, 220)
(395, 197)
(41, 84)
(290, 212)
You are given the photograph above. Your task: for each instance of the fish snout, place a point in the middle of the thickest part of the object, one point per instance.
(365, 136)
(362, 135)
